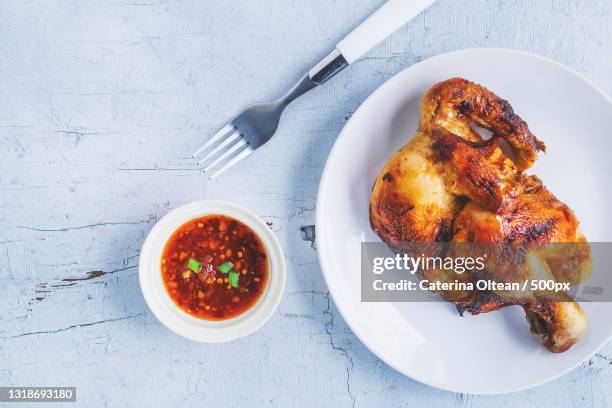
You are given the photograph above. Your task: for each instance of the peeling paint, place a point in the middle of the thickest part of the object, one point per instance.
(307, 232)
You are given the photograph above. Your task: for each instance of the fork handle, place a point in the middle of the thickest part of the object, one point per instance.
(384, 22)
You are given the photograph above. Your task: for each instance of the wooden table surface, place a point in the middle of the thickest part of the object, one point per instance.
(101, 104)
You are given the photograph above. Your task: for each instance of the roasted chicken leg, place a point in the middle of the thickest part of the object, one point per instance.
(448, 184)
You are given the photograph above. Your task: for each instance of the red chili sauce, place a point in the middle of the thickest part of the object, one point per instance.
(214, 267)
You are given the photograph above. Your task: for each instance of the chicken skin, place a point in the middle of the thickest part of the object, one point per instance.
(448, 184)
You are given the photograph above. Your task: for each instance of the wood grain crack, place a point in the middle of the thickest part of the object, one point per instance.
(101, 224)
(74, 326)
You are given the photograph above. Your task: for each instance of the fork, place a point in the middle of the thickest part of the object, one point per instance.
(256, 124)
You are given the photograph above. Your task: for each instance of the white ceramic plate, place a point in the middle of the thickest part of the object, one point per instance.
(494, 352)
(191, 327)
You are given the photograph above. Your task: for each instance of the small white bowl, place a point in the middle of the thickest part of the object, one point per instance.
(191, 327)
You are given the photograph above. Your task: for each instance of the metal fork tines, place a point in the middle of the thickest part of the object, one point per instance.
(226, 148)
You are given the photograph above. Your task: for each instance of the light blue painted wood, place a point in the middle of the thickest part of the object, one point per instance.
(101, 102)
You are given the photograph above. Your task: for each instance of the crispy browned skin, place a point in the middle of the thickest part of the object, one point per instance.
(454, 103)
(448, 184)
(410, 201)
(419, 191)
(549, 320)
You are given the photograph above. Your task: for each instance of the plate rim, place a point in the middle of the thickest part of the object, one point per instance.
(320, 244)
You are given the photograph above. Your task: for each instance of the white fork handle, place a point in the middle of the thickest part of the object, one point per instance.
(384, 22)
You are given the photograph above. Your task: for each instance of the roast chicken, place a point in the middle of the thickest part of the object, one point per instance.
(450, 184)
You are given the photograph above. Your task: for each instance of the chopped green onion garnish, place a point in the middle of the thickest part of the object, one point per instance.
(225, 267)
(194, 265)
(233, 278)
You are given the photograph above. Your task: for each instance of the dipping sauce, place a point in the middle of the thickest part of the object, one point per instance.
(214, 267)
